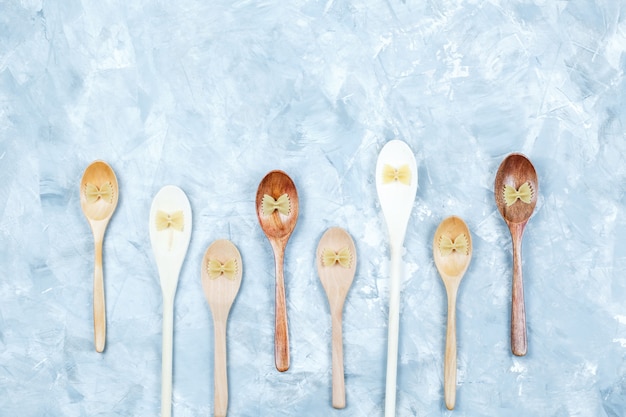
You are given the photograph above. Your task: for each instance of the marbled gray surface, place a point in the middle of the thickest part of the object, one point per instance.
(210, 95)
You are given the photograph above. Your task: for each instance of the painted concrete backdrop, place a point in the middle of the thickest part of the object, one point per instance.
(210, 96)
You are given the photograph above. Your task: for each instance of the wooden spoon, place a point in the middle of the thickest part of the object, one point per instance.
(278, 221)
(336, 265)
(396, 185)
(452, 250)
(170, 232)
(517, 178)
(221, 278)
(98, 200)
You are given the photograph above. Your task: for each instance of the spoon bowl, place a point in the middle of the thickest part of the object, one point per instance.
(396, 185)
(452, 251)
(277, 211)
(170, 233)
(221, 278)
(277, 225)
(514, 171)
(516, 190)
(336, 265)
(396, 195)
(98, 204)
(98, 200)
(452, 265)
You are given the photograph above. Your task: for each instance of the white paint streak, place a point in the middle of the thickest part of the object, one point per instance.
(621, 341)
(517, 367)
(620, 318)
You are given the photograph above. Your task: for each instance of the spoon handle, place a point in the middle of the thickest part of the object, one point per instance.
(166, 360)
(220, 376)
(449, 368)
(394, 325)
(281, 334)
(99, 309)
(519, 343)
(339, 388)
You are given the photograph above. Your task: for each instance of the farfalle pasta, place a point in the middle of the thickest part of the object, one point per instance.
(343, 257)
(105, 192)
(174, 221)
(524, 193)
(269, 205)
(401, 175)
(460, 244)
(215, 269)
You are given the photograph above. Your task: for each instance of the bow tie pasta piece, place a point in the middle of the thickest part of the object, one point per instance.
(104, 193)
(282, 204)
(215, 268)
(401, 175)
(343, 257)
(524, 194)
(173, 220)
(459, 245)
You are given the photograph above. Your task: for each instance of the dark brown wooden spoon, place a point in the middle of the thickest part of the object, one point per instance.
(278, 221)
(516, 181)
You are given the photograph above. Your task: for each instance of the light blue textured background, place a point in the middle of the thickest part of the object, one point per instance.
(210, 95)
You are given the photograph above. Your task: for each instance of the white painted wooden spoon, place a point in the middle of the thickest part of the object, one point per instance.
(170, 232)
(221, 279)
(396, 184)
(336, 265)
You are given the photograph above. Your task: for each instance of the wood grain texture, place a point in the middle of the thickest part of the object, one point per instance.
(519, 340)
(278, 228)
(220, 293)
(452, 268)
(98, 214)
(336, 280)
(515, 170)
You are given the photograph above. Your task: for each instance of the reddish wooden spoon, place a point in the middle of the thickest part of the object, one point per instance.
(278, 224)
(516, 181)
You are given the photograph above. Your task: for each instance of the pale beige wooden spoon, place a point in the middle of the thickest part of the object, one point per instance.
(452, 250)
(277, 211)
(336, 265)
(98, 200)
(221, 278)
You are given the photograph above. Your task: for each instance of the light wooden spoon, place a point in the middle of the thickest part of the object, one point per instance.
(336, 265)
(98, 200)
(221, 278)
(170, 232)
(396, 185)
(452, 250)
(278, 227)
(515, 176)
